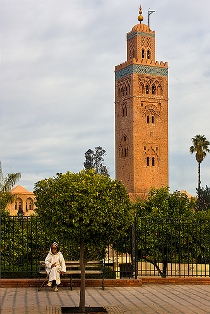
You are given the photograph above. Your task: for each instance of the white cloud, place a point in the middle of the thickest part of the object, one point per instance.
(57, 82)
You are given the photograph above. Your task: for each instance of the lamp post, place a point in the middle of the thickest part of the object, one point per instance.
(20, 213)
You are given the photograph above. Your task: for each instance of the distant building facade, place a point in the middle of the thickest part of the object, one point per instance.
(24, 202)
(141, 115)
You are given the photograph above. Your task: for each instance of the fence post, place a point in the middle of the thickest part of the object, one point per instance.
(134, 257)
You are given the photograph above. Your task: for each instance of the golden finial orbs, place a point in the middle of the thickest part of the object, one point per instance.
(140, 17)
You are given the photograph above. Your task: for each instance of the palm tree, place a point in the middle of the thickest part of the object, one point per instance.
(6, 184)
(200, 148)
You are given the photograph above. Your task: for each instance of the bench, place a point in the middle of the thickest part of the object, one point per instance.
(73, 268)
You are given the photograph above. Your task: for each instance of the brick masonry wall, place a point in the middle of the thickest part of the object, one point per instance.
(141, 116)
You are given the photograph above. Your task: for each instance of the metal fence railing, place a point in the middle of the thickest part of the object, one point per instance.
(151, 248)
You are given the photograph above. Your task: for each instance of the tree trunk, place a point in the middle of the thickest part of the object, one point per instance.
(165, 264)
(199, 184)
(82, 288)
(199, 176)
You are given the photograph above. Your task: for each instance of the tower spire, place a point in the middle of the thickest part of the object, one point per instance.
(140, 17)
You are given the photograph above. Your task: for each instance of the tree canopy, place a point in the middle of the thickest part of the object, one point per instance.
(162, 220)
(200, 147)
(90, 209)
(6, 184)
(203, 200)
(95, 160)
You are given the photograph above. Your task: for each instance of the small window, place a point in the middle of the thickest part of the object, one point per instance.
(147, 119)
(147, 161)
(153, 89)
(125, 152)
(142, 53)
(153, 119)
(153, 161)
(124, 111)
(148, 54)
(147, 89)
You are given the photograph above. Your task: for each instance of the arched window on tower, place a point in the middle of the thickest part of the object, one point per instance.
(148, 54)
(126, 90)
(125, 152)
(142, 53)
(147, 89)
(153, 161)
(147, 161)
(124, 147)
(153, 89)
(153, 119)
(147, 119)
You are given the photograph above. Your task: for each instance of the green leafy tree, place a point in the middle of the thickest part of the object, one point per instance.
(90, 209)
(200, 148)
(203, 201)
(95, 160)
(163, 222)
(6, 184)
(165, 215)
(201, 237)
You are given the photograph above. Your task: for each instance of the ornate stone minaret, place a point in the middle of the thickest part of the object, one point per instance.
(141, 114)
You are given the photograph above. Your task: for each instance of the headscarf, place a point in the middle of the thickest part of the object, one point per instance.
(55, 244)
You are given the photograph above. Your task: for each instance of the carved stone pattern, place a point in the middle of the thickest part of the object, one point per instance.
(150, 109)
(131, 50)
(123, 88)
(148, 42)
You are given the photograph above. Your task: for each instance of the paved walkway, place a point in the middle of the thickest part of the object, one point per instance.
(148, 299)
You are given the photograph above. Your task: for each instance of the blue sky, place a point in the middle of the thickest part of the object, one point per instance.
(57, 82)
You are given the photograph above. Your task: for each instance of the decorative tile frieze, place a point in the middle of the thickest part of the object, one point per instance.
(131, 35)
(141, 69)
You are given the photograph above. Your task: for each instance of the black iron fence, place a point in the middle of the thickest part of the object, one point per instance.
(153, 247)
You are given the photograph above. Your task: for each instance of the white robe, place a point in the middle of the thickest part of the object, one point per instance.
(54, 273)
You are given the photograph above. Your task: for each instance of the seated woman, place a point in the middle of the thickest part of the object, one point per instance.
(55, 265)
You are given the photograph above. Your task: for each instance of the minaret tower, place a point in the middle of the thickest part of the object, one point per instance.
(141, 114)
